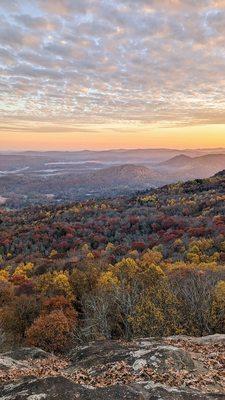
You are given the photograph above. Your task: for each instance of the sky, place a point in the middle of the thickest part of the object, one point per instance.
(100, 74)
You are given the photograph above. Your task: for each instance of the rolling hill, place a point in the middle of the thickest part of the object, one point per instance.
(127, 174)
(195, 167)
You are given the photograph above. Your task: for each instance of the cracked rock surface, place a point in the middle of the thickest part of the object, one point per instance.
(175, 368)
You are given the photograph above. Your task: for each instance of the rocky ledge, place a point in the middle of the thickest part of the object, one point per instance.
(176, 368)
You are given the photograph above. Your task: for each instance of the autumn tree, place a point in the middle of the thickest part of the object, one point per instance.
(60, 303)
(218, 307)
(55, 283)
(17, 316)
(51, 332)
(156, 313)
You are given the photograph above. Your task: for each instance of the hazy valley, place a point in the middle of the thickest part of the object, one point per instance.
(46, 177)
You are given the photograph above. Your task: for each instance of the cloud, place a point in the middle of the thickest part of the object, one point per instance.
(10, 35)
(7, 57)
(64, 7)
(9, 5)
(37, 23)
(145, 61)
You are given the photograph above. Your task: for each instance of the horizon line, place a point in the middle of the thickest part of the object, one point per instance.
(110, 150)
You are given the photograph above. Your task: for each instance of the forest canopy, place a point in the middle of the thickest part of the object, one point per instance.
(152, 264)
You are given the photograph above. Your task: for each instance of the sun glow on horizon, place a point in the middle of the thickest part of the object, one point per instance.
(106, 138)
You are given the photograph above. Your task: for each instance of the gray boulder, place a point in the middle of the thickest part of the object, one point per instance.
(218, 338)
(60, 388)
(7, 363)
(25, 353)
(102, 352)
(163, 357)
(151, 352)
(18, 358)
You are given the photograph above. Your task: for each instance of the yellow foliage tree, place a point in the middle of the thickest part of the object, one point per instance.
(90, 255)
(53, 253)
(85, 248)
(110, 247)
(56, 283)
(151, 257)
(23, 270)
(126, 269)
(218, 307)
(156, 314)
(4, 275)
(108, 280)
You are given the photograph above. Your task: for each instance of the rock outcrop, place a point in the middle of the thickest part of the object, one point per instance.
(59, 388)
(176, 368)
(25, 353)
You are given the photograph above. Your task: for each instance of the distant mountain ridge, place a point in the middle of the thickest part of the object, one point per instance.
(195, 167)
(183, 159)
(45, 177)
(179, 160)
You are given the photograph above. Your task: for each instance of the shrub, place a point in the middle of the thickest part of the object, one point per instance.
(51, 332)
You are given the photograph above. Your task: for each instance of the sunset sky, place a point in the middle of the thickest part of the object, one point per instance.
(99, 74)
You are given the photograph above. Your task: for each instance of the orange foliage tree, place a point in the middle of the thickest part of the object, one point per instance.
(51, 332)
